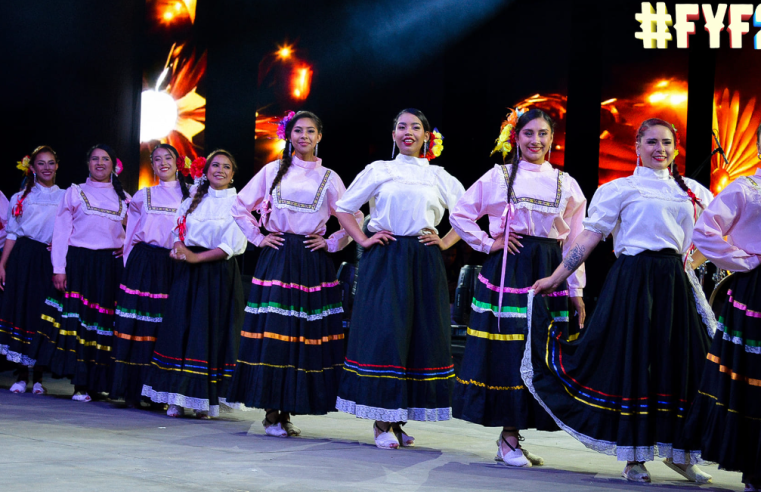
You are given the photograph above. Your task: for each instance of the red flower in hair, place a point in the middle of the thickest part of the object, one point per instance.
(196, 167)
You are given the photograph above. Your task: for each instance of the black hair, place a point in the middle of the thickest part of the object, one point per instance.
(114, 178)
(287, 158)
(28, 182)
(180, 176)
(524, 120)
(203, 188)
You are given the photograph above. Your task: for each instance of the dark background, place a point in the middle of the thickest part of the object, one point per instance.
(72, 77)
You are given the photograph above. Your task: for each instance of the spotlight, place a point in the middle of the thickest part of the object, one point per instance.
(168, 16)
(285, 52)
(656, 97)
(158, 115)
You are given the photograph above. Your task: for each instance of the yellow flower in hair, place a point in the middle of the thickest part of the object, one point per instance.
(437, 143)
(504, 144)
(23, 164)
(188, 162)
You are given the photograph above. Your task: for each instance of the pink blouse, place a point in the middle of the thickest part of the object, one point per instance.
(548, 203)
(89, 216)
(301, 203)
(150, 218)
(735, 213)
(4, 211)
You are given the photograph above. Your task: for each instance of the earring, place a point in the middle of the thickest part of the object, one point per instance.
(232, 181)
(315, 148)
(177, 175)
(549, 154)
(425, 150)
(518, 152)
(289, 147)
(393, 149)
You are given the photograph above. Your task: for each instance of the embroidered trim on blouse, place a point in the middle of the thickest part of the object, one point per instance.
(103, 212)
(753, 182)
(535, 201)
(158, 210)
(316, 204)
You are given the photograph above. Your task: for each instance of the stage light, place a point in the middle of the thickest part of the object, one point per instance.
(677, 99)
(609, 101)
(285, 52)
(168, 15)
(301, 82)
(662, 84)
(177, 6)
(656, 97)
(158, 115)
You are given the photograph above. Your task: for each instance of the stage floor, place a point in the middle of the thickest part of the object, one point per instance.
(50, 443)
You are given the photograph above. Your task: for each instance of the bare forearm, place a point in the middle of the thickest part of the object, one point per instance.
(698, 259)
(349, 223)
(211, 255)
(7, 251)
(577, 254)
(450, 239)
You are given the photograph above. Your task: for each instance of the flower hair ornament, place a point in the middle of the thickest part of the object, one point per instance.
(194, 168)
(185, 166)
(283, 124)
(435, 145)
(507, 137)
(24, 165)
(676, 142)
(119, 167)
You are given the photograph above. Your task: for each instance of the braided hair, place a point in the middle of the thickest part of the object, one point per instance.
(524, 120)
(203, 188)
(287, 158)
(114, 178)
(180, 176)
(28, 182)
(649, 123)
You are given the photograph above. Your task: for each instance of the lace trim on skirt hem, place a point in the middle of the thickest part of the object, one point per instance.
(200, 404)
(391, 415)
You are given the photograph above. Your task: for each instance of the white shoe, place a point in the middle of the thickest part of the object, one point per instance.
(691, 473)
(38, 389)
(83, 397)
(275, 430)
(19, 387)
(291, 429)
(384, 440)
(514, 457)
(175, 411)
(404, 439)
(636, 473)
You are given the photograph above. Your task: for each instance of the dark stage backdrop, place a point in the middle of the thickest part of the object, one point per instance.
(72, 77)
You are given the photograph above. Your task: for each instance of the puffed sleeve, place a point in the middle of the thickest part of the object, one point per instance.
(360, 190)
(250, 198)
(134, 214)
(5, 212)
(471, 206)
(573, 215)
(12, 224)
(231, 238)
(339, 239)
(62, 229)
(718, 220)
(450, 188)
(605, 210)
(704, 194)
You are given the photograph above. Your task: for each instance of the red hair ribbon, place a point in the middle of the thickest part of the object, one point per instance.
(182, 228)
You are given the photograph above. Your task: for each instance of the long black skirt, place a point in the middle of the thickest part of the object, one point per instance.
(398, 365)
(292, 347)
(197, 342)
(489, 389)
(726, 416)
(624, 387)
(28, 279)
(75, 338)
(139, 310)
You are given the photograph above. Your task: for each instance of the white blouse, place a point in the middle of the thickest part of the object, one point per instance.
(38, 214)
(646, 212)
(211, 225)
(406, 195)
(5, 211)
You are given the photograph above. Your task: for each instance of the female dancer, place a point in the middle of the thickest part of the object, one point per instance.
(197, 341)
(546, 208)
(147, 276)
(624, 387)
(727, 410)
(398, 366)
(75, 338)
(25, 266)
(292, 339)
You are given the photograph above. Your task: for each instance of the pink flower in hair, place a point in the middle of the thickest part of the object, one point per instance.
(119, 167)
(283, 123)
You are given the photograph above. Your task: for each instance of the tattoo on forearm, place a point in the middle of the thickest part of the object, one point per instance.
(574, 258)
